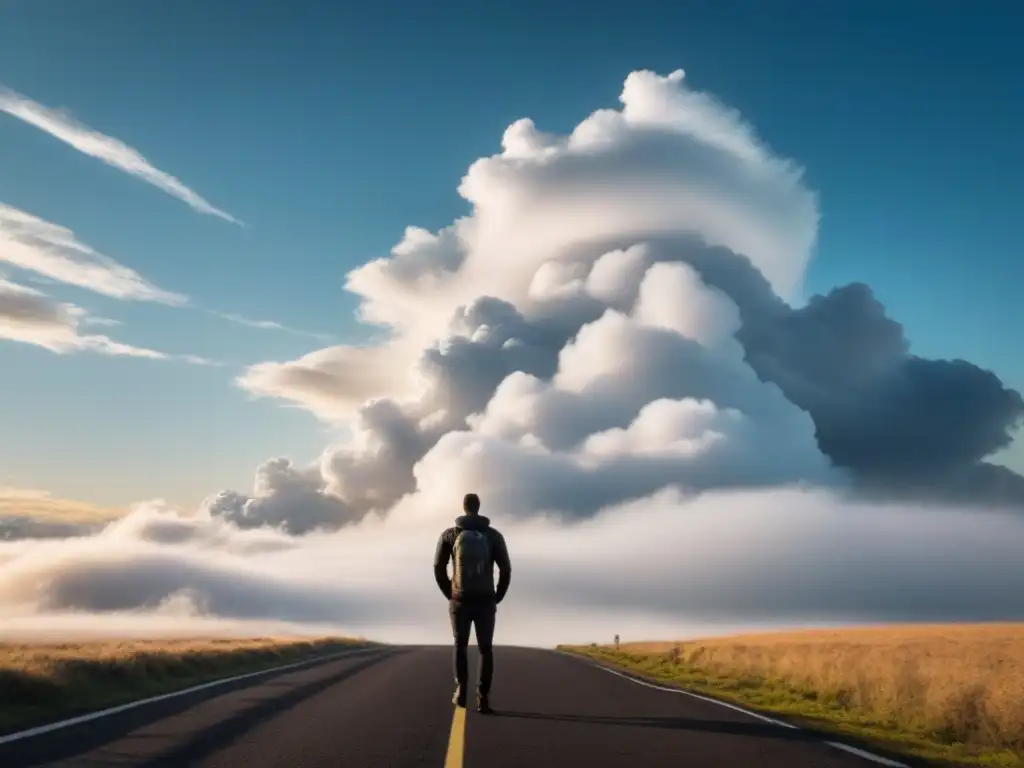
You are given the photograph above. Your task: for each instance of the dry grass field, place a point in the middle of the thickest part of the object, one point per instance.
(943, 691)
(45, 682)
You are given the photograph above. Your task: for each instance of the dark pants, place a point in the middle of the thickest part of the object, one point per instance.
(481, 615)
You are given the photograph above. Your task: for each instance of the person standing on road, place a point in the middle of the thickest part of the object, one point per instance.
(475, 548)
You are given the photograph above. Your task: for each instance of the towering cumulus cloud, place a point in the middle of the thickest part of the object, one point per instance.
(616, 316)
(613, 349)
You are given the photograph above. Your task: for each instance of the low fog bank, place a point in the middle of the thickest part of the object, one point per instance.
(669, 565)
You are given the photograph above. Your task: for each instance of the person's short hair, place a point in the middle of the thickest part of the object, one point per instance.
(471, 503)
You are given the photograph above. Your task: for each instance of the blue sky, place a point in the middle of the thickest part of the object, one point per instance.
(327, 128)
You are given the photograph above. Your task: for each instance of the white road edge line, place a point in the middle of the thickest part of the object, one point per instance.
(837, 744)
(41, 729)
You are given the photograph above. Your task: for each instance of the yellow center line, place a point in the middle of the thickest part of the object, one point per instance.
(457, 740)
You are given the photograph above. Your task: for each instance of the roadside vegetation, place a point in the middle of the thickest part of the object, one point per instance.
(951, 693)
(43, 683)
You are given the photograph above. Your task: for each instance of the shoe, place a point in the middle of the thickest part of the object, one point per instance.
(483, 704)
(459, 699)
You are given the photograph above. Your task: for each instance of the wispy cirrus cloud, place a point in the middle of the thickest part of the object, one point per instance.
(111, 151)
(44, 506)
(33, 513)
(31, 317)
(52, 251)
(270, 325)
(49, 252)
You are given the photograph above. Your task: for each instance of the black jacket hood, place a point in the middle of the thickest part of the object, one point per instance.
(472, 522)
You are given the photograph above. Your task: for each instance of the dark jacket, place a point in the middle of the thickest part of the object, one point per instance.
(446, 546)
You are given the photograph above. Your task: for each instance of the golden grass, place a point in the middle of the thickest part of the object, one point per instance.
(45, 682)
(945, 691)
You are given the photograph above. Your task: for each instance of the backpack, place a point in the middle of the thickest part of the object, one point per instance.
(473, 574)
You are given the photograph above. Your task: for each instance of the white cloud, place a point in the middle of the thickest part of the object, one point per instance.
(111, 151)
(673, 297)
(269, 325)
(33, 513)
(602, 349)
(52, 251)
(295, 500)
(104, 321)
(576, 373)
(42, 505)
(31, 317)
(671, 162)
(331, 383)
(647, 256)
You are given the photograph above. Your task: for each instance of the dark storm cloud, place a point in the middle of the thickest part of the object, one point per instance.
(903, 423)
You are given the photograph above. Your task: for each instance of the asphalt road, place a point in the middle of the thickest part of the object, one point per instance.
(393, 708)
